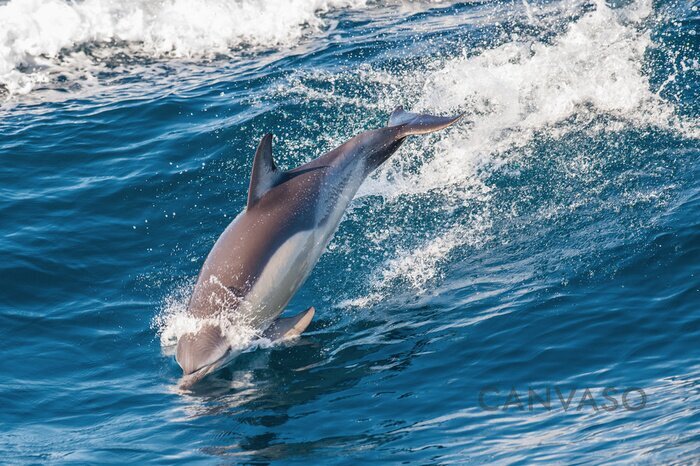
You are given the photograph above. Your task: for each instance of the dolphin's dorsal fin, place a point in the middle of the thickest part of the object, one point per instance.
(265, 174)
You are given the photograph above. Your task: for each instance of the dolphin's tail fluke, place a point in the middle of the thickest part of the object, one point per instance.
(202, 351)
(415, 123)
(401, 125)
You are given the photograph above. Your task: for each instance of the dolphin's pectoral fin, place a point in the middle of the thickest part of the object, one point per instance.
(265, 174)
(289, 327)
(415, 123)
(204, 349)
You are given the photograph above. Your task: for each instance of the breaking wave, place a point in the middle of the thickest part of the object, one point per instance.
(40, 38)
(524, 99)
(519, 97)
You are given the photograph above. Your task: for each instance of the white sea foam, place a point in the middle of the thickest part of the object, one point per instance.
(512, 93)
(173, 321)
(38, 35)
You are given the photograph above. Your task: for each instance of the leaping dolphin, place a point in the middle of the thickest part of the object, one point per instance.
(266, 253)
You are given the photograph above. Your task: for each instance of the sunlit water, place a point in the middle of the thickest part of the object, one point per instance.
(550, 243)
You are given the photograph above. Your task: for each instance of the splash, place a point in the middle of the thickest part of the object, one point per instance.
(173, 321)
(513, 92)
(514, 95)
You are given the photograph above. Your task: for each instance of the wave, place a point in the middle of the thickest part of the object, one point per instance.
(38, 35)
(523, 98)
(513, 91)
(589, 80)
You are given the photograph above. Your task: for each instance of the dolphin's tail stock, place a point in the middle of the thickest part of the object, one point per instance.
(415, 123)
(201, 352)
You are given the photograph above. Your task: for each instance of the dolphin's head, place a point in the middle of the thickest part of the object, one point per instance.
(201, 353)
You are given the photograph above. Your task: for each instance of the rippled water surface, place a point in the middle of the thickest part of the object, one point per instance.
(549, 243)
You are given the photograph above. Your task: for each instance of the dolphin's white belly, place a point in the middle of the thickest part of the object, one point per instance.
(282, 276)
(293, 261)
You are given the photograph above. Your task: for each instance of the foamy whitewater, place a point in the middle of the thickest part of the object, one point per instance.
(512, 94)
(39, 36)
(549, 241)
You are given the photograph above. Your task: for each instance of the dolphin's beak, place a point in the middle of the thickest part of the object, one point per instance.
(188, 380)
(202, 353)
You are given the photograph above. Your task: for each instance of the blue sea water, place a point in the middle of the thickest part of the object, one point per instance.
(548, 244)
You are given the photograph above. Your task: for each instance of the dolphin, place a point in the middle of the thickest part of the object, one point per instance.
(269, 249)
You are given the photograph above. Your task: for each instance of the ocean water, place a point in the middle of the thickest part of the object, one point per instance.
(548, 245)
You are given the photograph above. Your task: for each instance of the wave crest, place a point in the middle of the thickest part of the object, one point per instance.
(36, 35)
